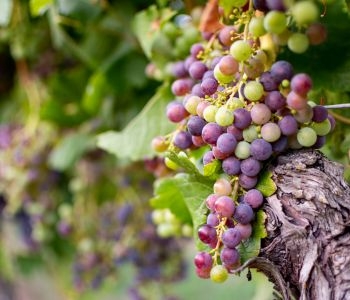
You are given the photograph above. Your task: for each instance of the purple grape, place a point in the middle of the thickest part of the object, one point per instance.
(218, 154)
(229, 257)
(242, 118)
(288, 125)
(332, 121)
(301, 84)
(247, 182)
(203, 260)
(178, 69)
(224, 206)
(254, 198)
(231, 237)
(276, 5)
(238, 133)
(197, 141)
(207, 234)
(245, 230)
(275, 100)
(209, 86)
(260, 5)
(176, 111)
(210, 201)
(208, 157)
(321, 140)
(195, 125)
(189, 61)
(250, 167)
(196, 49)
(226, 143)
(244, 214)
(197, 90)
(183, 140)
(320, 113)
(211, 133)
(182, 86)
(269, 82)
(260, 149)
(280, 145)
(214, 62)
(213, 219)
(197, 70)
(208, 74)
(282, 70)
(225, 35)
(231, 165)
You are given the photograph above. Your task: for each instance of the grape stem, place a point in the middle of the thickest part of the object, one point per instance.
(334, 106)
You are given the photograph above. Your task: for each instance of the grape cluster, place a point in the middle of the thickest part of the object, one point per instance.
(242, 110)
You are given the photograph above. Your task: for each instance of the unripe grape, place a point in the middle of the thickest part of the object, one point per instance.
(241, 50)
(305, 12)
(253, 90)
(298, 42)
(209, 113)
(218, 274)
(275, 22)
(256, 26)
(306, 136)
(222, 187)
(224, 116)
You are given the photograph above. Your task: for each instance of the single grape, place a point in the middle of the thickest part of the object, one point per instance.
(209, 86)
(298, 42)
(296, 101)
(245, 230)
(269, 82)
(178, 69)
(195, 125)
(220, 77)
(288, 125)
(316, 33)
(275, 22)
(191, 104)
(224, 116)
(254, 198)
(270, 132)
(203, 261)
(226, 34)
(260, 5)
(210, 201)
(224, 206)
(306, 136)
(242, 150)
(226, 143)
(241, 50)
(253, 90)
(229, 257)
(231, 165)
(197, 70)
(301, 84)
(218, 274)
(244, 214)
(198, 141)
(213, 219)
(305, 12)
(207, 234)
(196, 49)
(250, 167)
(282, 70)
(160, 144)
(256, 26)
(260, 113)
(181, 87)
(219, 154)
(242, 118)
(260, 149)
(250, 133)
(208, 157)
(222, 187)
(304, 115)
(247, 182)
(197, 90)
(321, 128)
(228, 65)
(275, 100)
(321, 140)
(231, 237)
(183, 140)
(211, 133)
(280, 145)
(176, 111)
(320, 113)
(209, 113)
(203, 273)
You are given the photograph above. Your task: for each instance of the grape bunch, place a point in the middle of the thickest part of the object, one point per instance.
(242, 110)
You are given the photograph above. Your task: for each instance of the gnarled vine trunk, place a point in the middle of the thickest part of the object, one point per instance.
(307, 251)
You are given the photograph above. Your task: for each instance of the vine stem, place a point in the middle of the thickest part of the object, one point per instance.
(334, 106)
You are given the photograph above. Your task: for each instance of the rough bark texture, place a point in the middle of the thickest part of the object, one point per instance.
(307, 252)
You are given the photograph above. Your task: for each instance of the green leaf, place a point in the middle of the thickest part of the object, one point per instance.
(212, 168)
(185, 197)
(226, 5)
(266, 185)
(5, 12)
(39, 7)
(69, 150)
(134, 141)
(251, 247)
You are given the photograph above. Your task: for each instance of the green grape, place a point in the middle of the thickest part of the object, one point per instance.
(270, 132)
(209, 113)
(192, 103)
(306, 137)
(224, 116)
(305, 12)
(218, 274)
(321, 128)
(242, 150)
(253, 90)
(220, 77)
(158, 216)
(275, 22)
(250, 133)
(241, 50)
(170, 30)
(298, 42)
(256, 26)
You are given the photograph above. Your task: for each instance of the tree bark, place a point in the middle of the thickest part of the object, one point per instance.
(307, 251)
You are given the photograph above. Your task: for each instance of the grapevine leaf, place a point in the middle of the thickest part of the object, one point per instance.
(226, 5)
(266, 185)
(39, 7)
(251, 247)
(134, 141)
(5, 12)
(69, 150)
(184, 196)
(212, 168)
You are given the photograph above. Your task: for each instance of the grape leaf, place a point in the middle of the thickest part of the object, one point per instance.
(39, 7)
(266, 185)
(134, 141)
(5, 12)
(212, 168)
(251, 247)
(185, 197)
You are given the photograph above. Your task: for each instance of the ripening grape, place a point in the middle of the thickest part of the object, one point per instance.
(220, 77)
(254, 198)
(191, 104)
(241, 50)
(254, 67)
(316, 33)
(228, 65)
(296, 101)
(253, 90)
(211, 133)
(160, 144)
(256, 26)
(301, 84)
(306, 137)
(210, 201)
(275, 100)
(250, 133)
(213, 219)
(242, 150)
(321, 128)
(244, 229)
(225, 35)
(260, 113)
(304, 115)
(281, 70)
(183, 140)
(305, 12)
(225, 206)
(270, 132)
(209, 86)
(218, 274)
(195, 125)
(222, 187)
(275, 22)
(298, 42)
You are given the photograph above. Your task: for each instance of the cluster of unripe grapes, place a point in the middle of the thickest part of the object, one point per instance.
(242, 110)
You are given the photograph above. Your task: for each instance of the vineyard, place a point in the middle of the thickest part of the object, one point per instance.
(174, 149)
